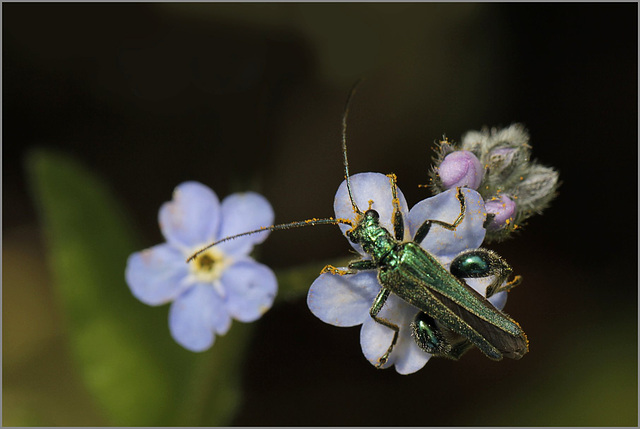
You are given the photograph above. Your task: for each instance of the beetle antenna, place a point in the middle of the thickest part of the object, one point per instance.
(308, 222)
(344, 145)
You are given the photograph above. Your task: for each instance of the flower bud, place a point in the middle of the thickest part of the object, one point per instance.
(537, 187)
(461, 168)
(503, 208)
(504, 160)
(475, 141)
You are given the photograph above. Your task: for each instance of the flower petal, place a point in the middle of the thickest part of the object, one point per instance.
(374, 341)
(366, 187)
(157, 275)
(195, 315)
(445, 207)
(192, 217)
(499, 300)
(343, 300)
(376, 338)
(251, 288)
(243, 212)
(410, 358)
(480, 284)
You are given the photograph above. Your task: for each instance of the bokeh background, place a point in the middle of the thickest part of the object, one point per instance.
(250, 96)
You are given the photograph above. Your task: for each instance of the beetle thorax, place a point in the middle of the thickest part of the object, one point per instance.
(374, 239)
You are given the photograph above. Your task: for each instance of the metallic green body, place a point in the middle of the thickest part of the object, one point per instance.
(415, 276)
(411, 273)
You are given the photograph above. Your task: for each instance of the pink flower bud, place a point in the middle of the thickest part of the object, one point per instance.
(504, 210)
(461, 168)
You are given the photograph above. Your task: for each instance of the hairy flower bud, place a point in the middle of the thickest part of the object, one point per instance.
(461, 168)
(536, 188)
(505, 160)
(503, 210)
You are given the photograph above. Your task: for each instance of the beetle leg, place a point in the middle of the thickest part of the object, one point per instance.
(437, 341)
(426, 225)
(481, 262)
(502, 273)
(378, 303)
(398, 222)
(428, 336)
(508, 285)
(364, 264)
(459, 349)
(333, 270)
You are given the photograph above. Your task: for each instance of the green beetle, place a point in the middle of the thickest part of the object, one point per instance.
(452, 316)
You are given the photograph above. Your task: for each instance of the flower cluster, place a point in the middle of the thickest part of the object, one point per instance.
(497, 164)
(223, 282)
(345, 300)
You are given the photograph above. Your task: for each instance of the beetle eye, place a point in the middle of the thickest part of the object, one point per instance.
(372, 214)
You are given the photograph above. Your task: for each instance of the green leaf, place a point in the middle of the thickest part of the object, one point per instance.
(124, 352)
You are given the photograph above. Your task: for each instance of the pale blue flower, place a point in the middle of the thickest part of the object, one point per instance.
(345, 300)
(223, 282)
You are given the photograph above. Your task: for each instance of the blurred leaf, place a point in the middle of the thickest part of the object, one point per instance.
(124, 351)
(215, 388)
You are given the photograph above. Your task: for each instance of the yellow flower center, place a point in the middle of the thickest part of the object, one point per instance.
(209, 265)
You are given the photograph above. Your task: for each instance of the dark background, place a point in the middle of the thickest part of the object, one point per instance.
(250, 96)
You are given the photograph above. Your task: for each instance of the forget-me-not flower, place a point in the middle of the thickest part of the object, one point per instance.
(223, 282)
(345, 300)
